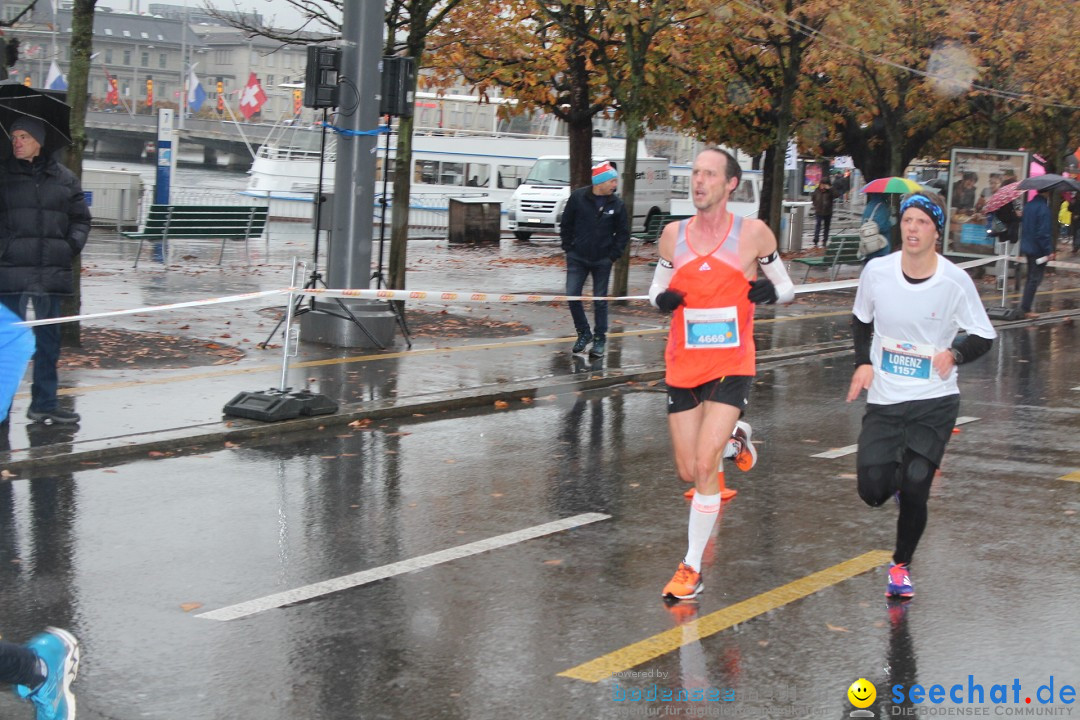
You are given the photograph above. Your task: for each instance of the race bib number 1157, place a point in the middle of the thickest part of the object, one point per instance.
(906, 359)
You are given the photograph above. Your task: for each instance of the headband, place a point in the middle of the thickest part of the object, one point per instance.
(928, 206)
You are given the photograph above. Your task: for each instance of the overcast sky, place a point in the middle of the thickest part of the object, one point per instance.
(283, 13)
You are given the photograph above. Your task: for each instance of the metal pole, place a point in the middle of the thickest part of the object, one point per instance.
(289, 309)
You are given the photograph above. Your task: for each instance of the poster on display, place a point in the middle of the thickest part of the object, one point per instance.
(811, 177)
(974, 175)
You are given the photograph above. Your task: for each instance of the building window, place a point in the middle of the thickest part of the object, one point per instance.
(269, 80)
(127, 33)
(127, 57)
(108, 56)
(223, 57)
(145, 36)
(108, 31)
(144, 60)
(163, 60)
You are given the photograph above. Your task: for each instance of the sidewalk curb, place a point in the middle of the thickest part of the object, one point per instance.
(33, 461)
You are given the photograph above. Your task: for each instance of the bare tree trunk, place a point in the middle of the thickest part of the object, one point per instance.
(82, 44)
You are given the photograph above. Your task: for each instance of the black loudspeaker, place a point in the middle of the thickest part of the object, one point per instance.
(398, 81)
(321, 77)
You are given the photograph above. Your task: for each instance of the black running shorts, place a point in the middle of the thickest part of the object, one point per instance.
(924, 426)
(731, 390)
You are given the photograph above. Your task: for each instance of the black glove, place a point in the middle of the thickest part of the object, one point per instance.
(762, 292)
(566, 247)
(615, 258)
(668, 300)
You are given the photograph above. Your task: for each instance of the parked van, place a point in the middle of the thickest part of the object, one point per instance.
(744, 202)
(537, 204)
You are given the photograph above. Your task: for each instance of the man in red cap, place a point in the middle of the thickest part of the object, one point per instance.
(594, 233)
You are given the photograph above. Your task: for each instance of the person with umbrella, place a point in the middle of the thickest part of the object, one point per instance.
(1036, 245)
(44, 225)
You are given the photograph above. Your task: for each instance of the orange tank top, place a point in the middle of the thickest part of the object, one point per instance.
(712, 333)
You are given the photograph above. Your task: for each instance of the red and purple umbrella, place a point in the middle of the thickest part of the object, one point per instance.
(1004, 195)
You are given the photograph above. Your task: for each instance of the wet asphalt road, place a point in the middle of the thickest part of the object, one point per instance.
(128, 556)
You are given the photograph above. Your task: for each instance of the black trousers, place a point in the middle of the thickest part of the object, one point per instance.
(19, 665)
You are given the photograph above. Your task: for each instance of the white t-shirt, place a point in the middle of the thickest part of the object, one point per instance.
(912, 323)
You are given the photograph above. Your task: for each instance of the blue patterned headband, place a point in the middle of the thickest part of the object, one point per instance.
(928, 206)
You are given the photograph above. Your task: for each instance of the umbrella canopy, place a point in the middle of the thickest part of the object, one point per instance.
(1049, 181)
(892, 185)
(18, 101)
(1004, 195)
(16, 348)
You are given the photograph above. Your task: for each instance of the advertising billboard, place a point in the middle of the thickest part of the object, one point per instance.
(975, 175)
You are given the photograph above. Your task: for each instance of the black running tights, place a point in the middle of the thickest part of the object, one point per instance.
(18, 665)
(912, 477)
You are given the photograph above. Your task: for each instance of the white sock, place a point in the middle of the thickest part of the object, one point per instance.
(703, 512)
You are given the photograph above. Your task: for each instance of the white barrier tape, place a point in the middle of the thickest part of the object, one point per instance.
(153, 308)
(452, 296)
(445, 296)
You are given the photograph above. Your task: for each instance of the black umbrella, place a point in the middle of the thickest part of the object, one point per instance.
(18, 101)
(1049, 181)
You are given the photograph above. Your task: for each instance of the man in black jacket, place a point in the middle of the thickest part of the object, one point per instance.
(594, 233)
(44, 224)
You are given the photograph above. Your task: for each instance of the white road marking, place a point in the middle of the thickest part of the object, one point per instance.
(849, 449)
(307, 592)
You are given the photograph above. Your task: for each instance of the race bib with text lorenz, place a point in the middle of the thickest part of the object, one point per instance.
(711, 328)
(906, 359)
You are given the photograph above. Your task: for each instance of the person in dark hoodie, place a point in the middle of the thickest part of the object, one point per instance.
(594, 231)
(44, 224)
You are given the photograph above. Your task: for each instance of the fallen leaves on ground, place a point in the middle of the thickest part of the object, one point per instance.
(114, 348)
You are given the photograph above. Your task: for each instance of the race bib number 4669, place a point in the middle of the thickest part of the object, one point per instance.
(905, 359)
(711, 327)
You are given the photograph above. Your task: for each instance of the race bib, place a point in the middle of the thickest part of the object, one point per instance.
(711, 328)
(899, 357)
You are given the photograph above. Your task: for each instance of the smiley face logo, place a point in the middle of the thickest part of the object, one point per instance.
(862, 693)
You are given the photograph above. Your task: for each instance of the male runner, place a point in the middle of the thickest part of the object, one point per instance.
(706, 276)
(908, 309)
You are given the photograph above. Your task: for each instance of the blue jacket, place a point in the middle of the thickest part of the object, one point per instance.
(1035, 228)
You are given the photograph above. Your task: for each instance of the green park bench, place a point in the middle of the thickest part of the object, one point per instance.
(842, 249)
(202, 222)
(654, 225)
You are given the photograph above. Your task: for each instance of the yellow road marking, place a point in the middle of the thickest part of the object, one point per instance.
(669, 640)
(1071, 477)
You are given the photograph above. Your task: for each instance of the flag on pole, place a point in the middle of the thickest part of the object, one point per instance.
(113, 96)
(55, 80)
(195, 93)
(252, 98)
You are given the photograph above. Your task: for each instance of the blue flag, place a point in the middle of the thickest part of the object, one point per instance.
(55, 80)
(195, 94)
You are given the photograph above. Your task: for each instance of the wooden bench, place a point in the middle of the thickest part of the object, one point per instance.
(842, 249)
(654, 225)
(202, 222)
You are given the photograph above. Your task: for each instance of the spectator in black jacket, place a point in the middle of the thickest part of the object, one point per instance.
(594, 232)
(44, 224)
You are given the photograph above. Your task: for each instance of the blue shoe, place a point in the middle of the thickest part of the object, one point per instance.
(899, 582)
(53, 699)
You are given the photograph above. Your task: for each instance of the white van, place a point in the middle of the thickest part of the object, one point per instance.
(744, 202)
(537, 204)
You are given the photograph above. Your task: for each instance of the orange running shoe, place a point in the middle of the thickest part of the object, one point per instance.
(685, 584)
(746, 455)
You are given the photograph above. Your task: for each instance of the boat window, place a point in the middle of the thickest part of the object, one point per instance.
(452, 173)
(427, 172)
(745, 192)
(510, 176)
(479, 175)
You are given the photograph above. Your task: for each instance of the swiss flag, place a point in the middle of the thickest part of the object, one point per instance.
(252, 98)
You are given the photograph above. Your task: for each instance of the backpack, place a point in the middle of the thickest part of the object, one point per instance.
(870, 239)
